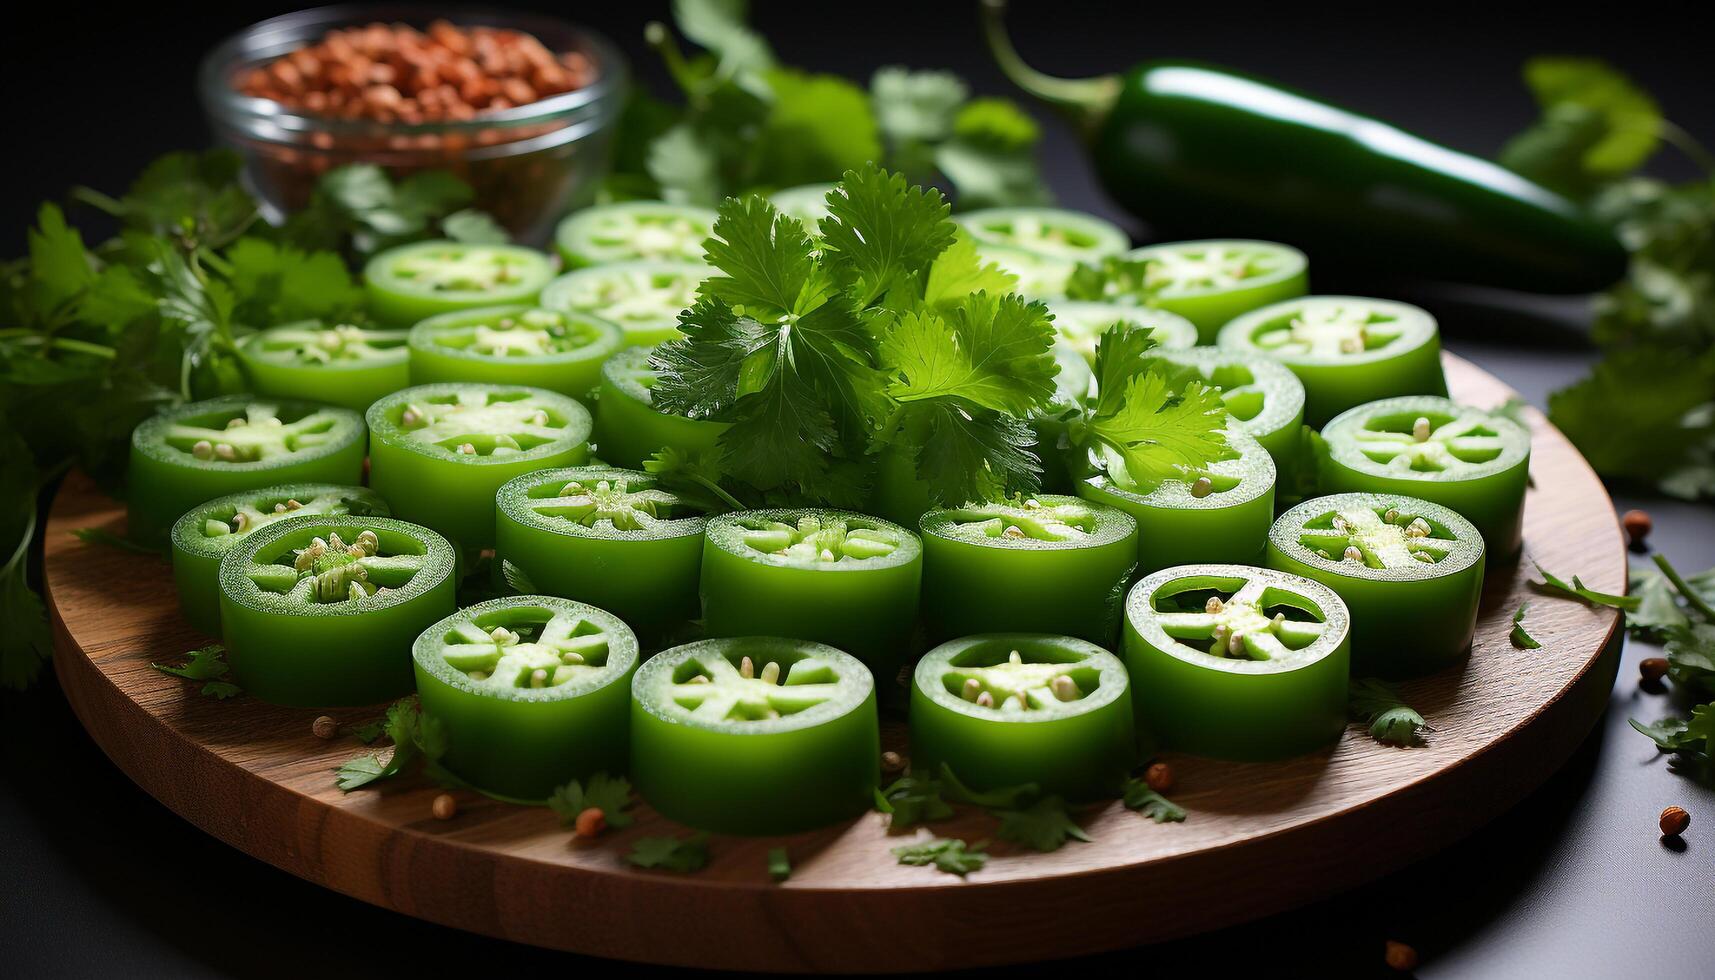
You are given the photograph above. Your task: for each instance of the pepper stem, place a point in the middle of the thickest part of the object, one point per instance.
(1086, 100)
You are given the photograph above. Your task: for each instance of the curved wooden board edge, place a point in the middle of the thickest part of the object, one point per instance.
(1260, 838)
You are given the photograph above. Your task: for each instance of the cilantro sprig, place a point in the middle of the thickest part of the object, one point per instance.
(1391, 721)
(678, 854)
(207, 665)
(951, 855)
(609, 794)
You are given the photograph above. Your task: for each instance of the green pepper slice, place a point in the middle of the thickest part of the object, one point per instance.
(1054, 232)
(203, 536)
(620, 232)
(202, 450)
(903, 498)
(1476, 462)
(1081, 324)
(516, 345)
(532, 692)
(321, 611)
(1220, 513)
(412, 282)
(1235, 662)
(1410, 571)
(629, 428)
(806, 202)
(1004, 709)
(1211, 282)
(1044, 564)
(1347, 350)
(339, 364)
(440, 452)
(644, 297)
(1039, 276)
(755, 735)
(1263, 398)
(831, 576)
(610, 537)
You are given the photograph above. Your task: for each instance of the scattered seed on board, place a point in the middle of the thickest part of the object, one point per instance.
(444, 807)
(324, 727)
(590, 822)
(1158, 777)
(892, 762)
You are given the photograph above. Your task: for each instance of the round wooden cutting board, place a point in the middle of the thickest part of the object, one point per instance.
(1258, 839)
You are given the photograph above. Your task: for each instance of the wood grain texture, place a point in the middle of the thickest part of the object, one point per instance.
(1259, 838)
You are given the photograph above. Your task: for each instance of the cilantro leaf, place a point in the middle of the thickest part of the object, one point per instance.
(1520, 638)
(947, 854)
(1114, 279)
(1145, 432)
(960, 271)
(609, 794)
(1138, 796)
(1001, 797)
(817, 125)
(914, 111)
(362, 770)
(768, 261)
(280, 283)
(680, 854)
(974, 454)
(1044, 826)
(1691, 741)
(403, 724)
(221, 690)
(991, 160)
(994, 354)
(881, 232)
(1642, 413)
(911, 800)
(1578, 590)
(1596, 125)
(1690, 652)
(206, 664)
(1658, 606)
(1391, 721)
(720, 26)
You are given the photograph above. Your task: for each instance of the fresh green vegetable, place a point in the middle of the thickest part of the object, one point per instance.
(1263, 399)
(749, 123)
(1237, 662)
(1054, 232)
(1043, 826)
(1577, 589)
(202, 450)
(416, 739)
(1347, 350)
(531, 691)
(644, 297)
(614, 538)
(680, 854)
(208, 666)
(829, 576)
(1042, 564)
(1410, 571)
(321, 611)
(806, 202)
(609, 794)
(1082, 323)
(340, 364)
(630, 428)
(758, 735)
(953, 856)
(445, 449)
(1520, 637)
(1003, 709)
(634, 230)
(1464, 458)
(1190, 146)
(411, 282)
(1138, 796)
(1687, 627)
(514, 345)
(1211, 282)
(203, 536)
(1391, 721)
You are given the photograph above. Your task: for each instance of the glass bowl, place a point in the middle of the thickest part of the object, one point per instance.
(529, 164)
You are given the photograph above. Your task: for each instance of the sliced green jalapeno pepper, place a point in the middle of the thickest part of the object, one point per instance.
(208, 449)
(340, 364)
(1039, 276)
(900, 492)
(613, 538)
(806, 202)
(1263, 398)
(445, 449)
(629, 230)
(1081, 324)
(1346, 349)
(644, 297)
(1055, 232)
(532, 692)
(322, 611)
(1211, 282)
(1476, 462)
(1004, 709)
(755, 735)
(1220, 513)
(411, 282)
(826, 575)
(1410, 571)
(203, 536)
(1045, 564)
(628, 427)
(518, 345)
(1236, 662)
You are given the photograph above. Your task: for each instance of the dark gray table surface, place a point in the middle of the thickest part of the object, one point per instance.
(96, 878)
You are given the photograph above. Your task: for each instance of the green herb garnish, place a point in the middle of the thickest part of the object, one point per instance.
(609, 794)
(1138, 796)
(1043, 826)
(1391, 721)
(1520, 638)
(680, 854)
(947, 854)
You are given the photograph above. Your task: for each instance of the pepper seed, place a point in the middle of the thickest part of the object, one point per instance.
(1064, 688)
(746, 667)
(1214, 605)
(324, 727)
(1014, 657)
(1202, 487)
(972, 689)
(985, 700)
(1352, 553)
(444, 807)
(203, 449)
(1420, 429)
(771, 672)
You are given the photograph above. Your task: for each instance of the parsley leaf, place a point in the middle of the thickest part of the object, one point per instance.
(680, 854)
(1391, 721)
(1578, 590)
(609, 794)
(1043, 826)
(1520, 638)
(1138, 796)
(947, 854)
